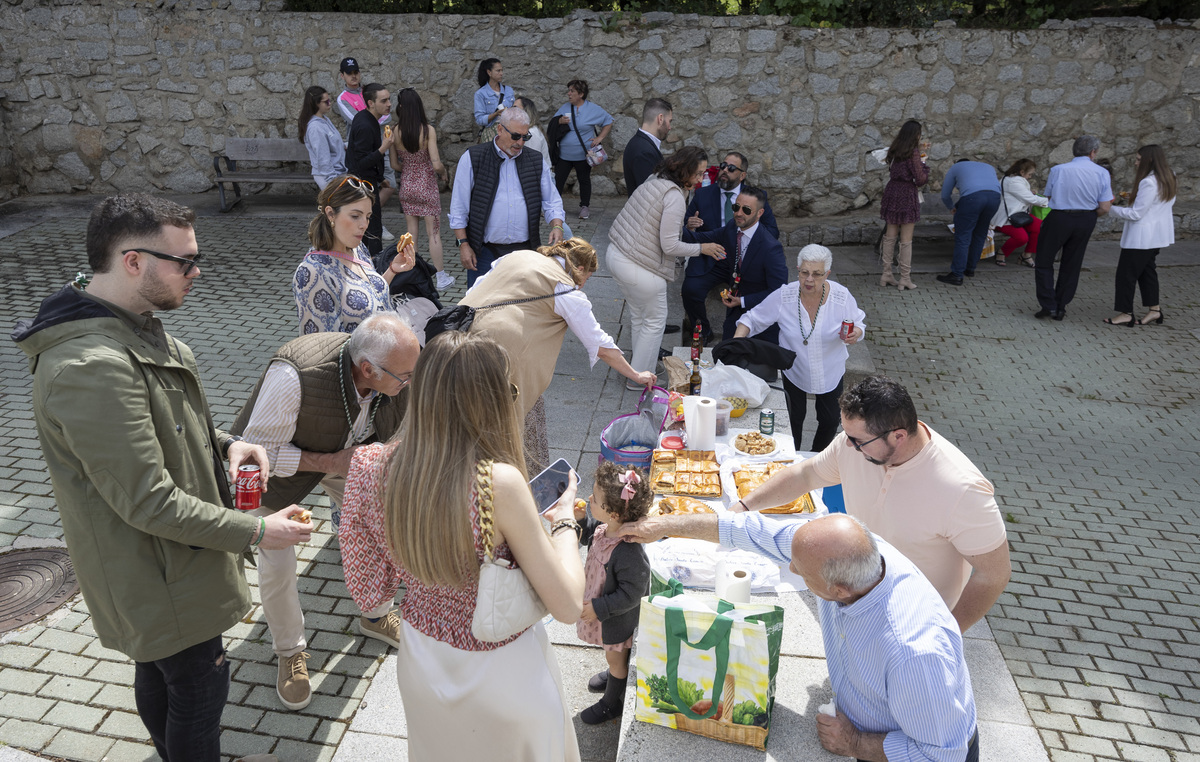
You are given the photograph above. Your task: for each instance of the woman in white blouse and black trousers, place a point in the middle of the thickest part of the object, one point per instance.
(1149, 227)
(809, 313)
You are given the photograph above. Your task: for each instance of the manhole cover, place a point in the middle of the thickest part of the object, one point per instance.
(34, 582)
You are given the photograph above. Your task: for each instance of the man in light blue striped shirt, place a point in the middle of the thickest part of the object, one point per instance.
(893, 650)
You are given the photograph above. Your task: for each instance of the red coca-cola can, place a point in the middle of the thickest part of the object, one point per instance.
(249, 488)
(847, 329)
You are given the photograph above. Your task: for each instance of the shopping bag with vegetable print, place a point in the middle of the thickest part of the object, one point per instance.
(708, 666)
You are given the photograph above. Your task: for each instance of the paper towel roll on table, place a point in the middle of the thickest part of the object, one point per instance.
(733, 584)
(700, 418)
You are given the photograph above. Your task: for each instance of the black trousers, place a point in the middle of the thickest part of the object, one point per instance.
(829, 413)
(180, 699)
(1136, 268)
(1069, 230)
(583, 171)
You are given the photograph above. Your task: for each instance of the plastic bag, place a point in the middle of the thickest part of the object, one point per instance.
(723, 380)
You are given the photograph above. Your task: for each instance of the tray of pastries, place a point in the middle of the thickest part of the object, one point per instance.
(686, 472)
(680, 505)
(750, 476)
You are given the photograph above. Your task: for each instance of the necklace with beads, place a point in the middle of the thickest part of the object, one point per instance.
(346, 402)
(800, 314)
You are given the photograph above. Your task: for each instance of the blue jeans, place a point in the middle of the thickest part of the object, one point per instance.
(180, 700)
(972, 215)
(487, 254)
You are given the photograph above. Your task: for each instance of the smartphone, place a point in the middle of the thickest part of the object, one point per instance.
(549, 485)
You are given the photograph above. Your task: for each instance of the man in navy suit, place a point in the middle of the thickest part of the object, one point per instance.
(711, 209)
(643, 152)
(753, 268)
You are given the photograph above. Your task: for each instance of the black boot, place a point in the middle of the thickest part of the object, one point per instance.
(610, 706)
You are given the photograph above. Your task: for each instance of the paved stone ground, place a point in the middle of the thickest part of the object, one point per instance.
(1089, 432)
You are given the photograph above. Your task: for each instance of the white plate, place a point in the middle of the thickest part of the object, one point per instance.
(729, 488)
(755, 456)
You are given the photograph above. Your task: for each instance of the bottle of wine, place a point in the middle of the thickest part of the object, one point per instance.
(697, 348)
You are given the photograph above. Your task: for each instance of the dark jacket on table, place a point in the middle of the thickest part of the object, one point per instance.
(626, 582)
(362, 149)
(640, 158)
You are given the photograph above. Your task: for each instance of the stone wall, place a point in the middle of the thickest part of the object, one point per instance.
(120, 95)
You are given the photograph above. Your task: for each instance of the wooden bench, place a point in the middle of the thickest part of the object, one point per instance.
(259, 150)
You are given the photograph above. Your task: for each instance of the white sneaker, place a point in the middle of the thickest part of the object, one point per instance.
(584, 213)
(387, 235)
(444, 280)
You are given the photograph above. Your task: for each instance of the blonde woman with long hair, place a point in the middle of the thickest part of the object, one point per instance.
(411, 515)
(533, 330)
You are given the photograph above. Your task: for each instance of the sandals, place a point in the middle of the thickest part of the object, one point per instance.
(1147, 320)
(1027, 260)
(1130, 322)
(1001, 260)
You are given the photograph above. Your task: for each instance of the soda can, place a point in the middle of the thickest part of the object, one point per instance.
(766, 421)
(847, 329)
(249, 488)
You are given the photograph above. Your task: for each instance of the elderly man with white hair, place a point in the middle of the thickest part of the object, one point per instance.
(810, 313)
(499, 188)
(322, 396)
(892, 647)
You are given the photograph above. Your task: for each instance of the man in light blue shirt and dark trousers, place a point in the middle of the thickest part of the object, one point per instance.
(499, 188)
(978, 199)
(893, 650)
(1079, 192)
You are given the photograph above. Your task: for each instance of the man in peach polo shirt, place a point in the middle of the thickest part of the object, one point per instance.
(914, 489)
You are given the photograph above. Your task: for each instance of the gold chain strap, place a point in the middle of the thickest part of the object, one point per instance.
(483, 487)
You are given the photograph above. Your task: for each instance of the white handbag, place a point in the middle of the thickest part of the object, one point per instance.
(506, 603)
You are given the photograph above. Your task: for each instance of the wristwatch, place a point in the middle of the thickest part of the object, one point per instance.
(459, 241)
(228, 443)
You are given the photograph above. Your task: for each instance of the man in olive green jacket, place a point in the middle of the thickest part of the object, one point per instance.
(136, 467)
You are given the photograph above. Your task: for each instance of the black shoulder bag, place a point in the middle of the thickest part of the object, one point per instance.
(1016, 219)
(460, 316)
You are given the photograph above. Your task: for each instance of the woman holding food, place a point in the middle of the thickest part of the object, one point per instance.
(532, 330)
(1149, 227)
(335, 286)
(645, 240)
(412, 516)
(810, 314)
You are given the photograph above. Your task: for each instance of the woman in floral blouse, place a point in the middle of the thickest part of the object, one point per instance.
(336, 287)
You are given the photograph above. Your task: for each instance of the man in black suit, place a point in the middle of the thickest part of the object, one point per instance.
(712, 208)
(755, 265)
(643, 151)
(365, 149)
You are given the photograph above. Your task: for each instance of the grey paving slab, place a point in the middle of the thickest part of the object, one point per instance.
(1089, 434)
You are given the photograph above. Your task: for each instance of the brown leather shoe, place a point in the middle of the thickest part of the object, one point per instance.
(292, 685)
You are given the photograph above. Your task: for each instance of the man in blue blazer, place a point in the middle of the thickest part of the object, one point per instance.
(712, 209)
(754, 265)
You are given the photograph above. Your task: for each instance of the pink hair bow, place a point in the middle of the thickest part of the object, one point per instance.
(629, 480)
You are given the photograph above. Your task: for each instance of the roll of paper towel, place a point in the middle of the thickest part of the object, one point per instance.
(733, 584)
(700, 418)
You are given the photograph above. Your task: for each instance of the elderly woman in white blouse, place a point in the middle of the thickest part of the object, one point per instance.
(1149, 228)
(545, 288)
(809, 313)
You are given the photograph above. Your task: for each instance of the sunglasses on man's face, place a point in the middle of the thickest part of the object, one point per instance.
(745, 209)
(185, 263)
(517, 135)
(730, 167)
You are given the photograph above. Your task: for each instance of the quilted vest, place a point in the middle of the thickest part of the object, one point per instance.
(485, 169)
(324, 421)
